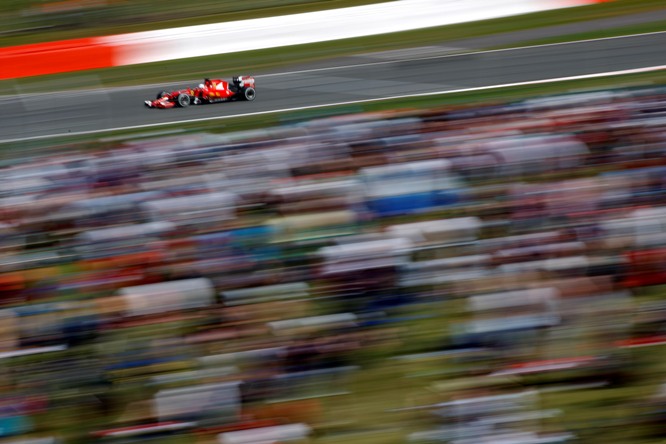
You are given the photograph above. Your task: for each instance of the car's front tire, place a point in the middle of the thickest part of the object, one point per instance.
(183, 100)
(249, 94)
(162, 94)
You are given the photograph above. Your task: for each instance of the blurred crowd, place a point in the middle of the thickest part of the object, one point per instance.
(226, 287)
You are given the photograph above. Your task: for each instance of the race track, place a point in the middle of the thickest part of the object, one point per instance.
(356, 79)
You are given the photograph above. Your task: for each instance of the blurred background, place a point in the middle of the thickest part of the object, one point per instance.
(30, 18)
(481, 266)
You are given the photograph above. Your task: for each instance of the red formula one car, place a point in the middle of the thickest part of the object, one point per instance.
(211, 91)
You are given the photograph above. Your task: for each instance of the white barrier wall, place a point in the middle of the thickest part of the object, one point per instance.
(261, 33)
(311, 27)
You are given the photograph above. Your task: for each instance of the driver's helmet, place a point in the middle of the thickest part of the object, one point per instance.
(207, 82)
(201, 86)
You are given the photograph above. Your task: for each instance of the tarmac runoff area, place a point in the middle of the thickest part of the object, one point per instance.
(88, 112)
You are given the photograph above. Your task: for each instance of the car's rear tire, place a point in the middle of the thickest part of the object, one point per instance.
(249, 94)
(183, 100)
(162, 94)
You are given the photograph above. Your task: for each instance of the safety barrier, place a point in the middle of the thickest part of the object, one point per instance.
(245, 35)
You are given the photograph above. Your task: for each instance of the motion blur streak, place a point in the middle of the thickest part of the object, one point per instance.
(55, 57)
(468, 274)
(359, 21)
(246, 35)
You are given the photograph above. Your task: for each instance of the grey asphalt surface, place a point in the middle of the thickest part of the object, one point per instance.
(526, 35)
(507, 39)
(373, 77)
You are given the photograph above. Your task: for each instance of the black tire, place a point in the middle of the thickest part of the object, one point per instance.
(183, 100)
(249, 94)
(162, 94)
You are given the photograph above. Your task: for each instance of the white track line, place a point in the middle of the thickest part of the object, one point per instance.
(353, 102)
(462, 54)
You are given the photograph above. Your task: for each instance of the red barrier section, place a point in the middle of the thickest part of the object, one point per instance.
(168, 44)
(54, 57)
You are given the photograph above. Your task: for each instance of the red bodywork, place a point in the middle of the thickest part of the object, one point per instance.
(212, 91)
